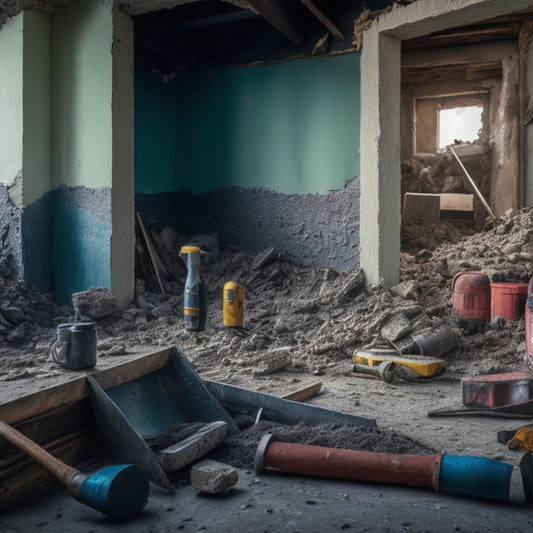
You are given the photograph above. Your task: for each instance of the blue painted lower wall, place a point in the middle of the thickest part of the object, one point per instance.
(81, 243)
(320, 230)
(62, 242)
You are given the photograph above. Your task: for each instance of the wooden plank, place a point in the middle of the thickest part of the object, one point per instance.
(456, 202)
(72, 391)
(322, 18)
(271, 12)
(305, 393)
(461, 55)
(151, 251)
(419, 206)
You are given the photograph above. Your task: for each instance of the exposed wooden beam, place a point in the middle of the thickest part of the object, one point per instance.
(271, 11)
(460, 55)
(464, 35)
(322, 18)
(140, 7)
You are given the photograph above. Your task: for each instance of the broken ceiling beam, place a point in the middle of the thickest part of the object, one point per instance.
(461, 55)
(271, 11)
(140, 7)
(243, 4)
(322, 18)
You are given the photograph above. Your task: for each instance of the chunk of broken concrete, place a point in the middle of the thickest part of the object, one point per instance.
(95, 303)
(192, 448)
(264, 258)
(355, 282)
(408, 290)
(396, 327)
(213, 477)
(273, 360)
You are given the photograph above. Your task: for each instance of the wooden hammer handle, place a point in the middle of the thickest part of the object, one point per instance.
(58, 468)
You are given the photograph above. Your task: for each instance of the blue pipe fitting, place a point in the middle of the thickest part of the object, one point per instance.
(476, 476)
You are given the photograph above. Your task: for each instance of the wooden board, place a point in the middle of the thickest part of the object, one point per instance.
(61, 420)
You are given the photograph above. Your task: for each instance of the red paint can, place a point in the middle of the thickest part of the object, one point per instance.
(471, 301)
(508, 300)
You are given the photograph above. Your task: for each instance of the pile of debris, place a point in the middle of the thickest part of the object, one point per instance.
(314, 319)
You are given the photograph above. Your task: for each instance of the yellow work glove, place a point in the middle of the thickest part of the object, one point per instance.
(522, 440)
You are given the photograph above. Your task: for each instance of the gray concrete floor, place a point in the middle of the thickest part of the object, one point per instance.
(276, 502)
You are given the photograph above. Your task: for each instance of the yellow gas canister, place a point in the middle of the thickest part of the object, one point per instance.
(233, 304)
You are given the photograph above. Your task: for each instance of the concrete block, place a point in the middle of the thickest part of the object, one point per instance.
(213, 477)
(396, 327)
(188, 450)
(95, 303)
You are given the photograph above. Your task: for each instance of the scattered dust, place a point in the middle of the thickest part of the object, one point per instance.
(321, 317)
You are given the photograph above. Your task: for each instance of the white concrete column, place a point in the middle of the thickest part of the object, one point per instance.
(122, 189)
(380, 158)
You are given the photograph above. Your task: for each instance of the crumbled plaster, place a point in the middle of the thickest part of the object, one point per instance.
(10, 233)
(320, 230)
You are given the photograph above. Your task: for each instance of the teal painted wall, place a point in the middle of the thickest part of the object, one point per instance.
(155, 129)
(291, 127)
(82, 38)
(11, 92)
(37, 96)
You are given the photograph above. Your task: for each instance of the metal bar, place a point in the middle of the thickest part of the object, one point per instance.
(476, 190)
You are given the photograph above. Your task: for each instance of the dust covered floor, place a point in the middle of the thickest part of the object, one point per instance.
(316, 319)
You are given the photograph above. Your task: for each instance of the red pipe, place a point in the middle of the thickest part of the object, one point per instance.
(348, 464)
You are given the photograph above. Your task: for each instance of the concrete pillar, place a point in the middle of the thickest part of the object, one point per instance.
(380, 158)
(122, 180)
(380, 117)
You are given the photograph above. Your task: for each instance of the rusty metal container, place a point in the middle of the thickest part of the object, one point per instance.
(508, 299)
(471, 301)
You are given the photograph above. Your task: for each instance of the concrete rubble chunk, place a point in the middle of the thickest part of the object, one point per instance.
(188, 450)
(355, 282)
(213, 477)
(95, 303)
(408, 290)
(264, 258)
(274, 360)
(396, 327)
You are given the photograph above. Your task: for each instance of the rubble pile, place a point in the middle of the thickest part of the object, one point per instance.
(318, 317)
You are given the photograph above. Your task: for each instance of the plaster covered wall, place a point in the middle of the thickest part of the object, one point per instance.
(291, 127)
(81, 95)
(11, 76)
(321, 230)
(262, 156)
(81, 148)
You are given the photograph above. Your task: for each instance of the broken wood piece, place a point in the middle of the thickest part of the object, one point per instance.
(272, 11)
(305, 393)
(187, 451)
(273, 361)
(322, 18)
(151, 251)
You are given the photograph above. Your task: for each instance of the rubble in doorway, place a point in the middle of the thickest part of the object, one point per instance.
(318, 316)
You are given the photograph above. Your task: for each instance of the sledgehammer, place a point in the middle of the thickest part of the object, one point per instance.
(471, 476)
(120, 491)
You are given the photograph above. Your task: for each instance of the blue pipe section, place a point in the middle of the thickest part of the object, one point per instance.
(475, 476)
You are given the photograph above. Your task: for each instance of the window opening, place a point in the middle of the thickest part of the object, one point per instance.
(459, 124)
